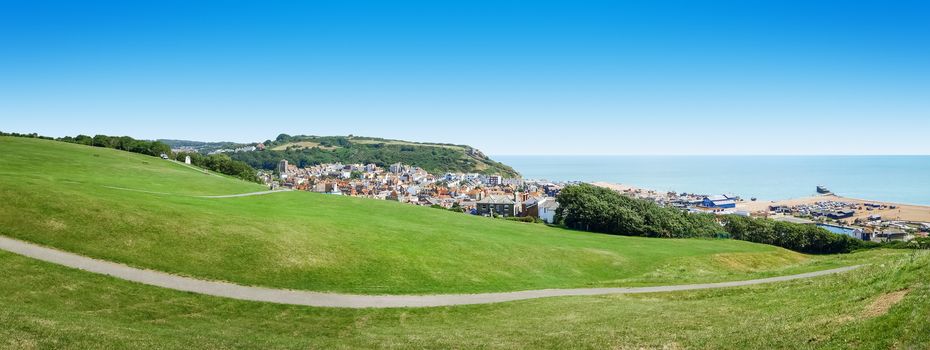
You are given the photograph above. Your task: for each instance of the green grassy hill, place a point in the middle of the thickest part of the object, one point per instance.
(48, 306)
(90, 201)
(436, 158)
(75, 198)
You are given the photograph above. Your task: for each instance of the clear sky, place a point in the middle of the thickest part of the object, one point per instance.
(508, 77)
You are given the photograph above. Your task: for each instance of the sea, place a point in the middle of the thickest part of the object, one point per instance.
(898, 179)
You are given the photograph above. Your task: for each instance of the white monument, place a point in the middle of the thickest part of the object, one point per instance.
(187, 159)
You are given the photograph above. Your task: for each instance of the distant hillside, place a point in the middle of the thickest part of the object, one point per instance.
(201, 146)
(436, 158)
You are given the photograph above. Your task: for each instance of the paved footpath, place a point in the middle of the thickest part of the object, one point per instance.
(297, 297)
(259, 193)
(245, 194)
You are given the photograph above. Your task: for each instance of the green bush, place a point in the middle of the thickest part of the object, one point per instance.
(591, 208)
(522, 218)
(916, 243)
(797, 237)
(597, 209)
(220, 163)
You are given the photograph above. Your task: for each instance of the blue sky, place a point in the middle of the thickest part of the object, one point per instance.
(509, 77)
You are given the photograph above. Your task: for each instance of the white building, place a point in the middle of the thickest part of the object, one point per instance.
(547, 207)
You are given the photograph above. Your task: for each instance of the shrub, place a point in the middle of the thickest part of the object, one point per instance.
(596, 209)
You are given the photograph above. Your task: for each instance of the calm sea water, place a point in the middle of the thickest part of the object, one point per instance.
(902, 179)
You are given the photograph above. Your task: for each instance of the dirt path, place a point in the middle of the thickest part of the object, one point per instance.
(308, 298)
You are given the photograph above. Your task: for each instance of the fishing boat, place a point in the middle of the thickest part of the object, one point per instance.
(822, 190)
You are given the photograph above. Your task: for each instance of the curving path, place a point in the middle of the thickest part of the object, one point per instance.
(296, 297)
(245, 194)
(217, 196)
(198, 169)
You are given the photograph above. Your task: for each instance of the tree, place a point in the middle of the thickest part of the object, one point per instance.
(591, 208)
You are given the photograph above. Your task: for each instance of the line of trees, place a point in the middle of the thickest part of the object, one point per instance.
(220, 163)
(596, 209)
(31, 136)
(125, 143)
(797, 237)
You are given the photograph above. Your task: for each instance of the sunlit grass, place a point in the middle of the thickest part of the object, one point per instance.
(48, 306)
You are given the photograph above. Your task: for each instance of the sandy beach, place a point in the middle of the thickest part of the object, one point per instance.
(615, 186)
(904, 212)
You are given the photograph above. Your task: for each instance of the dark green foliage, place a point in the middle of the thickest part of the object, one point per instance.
(591, 208)
(434, 158)
(916, 243)
(32, 135)
(457, 208)
(597, 209)
(522, 218)
(220, 163)
(922, 242)
(125, 143)
(797, 237)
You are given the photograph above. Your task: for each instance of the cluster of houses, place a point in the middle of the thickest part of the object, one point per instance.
(478, 194)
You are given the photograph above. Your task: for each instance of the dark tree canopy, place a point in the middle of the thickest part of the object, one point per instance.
(797, 237)
(596, 209)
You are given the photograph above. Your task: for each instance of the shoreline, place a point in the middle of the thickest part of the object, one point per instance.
(901, 212)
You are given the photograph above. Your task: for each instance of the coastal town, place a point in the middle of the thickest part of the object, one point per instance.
(862, 219)
(477, 194)
(535, 200)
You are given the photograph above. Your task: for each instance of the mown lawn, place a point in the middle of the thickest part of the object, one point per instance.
(61, 195)
(881, 306)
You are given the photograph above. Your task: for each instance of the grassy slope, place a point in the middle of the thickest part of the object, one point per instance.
(35, 165)
(54, 195)
(48, 306)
